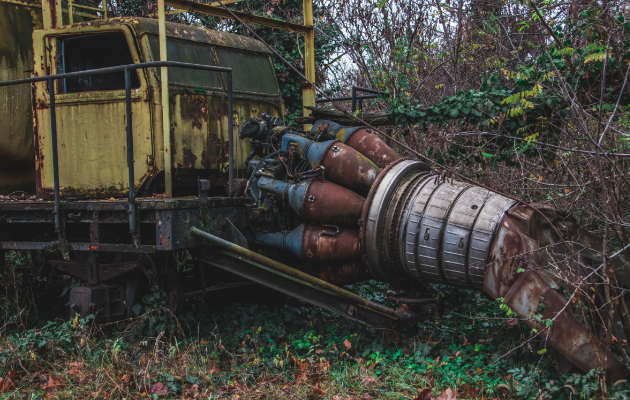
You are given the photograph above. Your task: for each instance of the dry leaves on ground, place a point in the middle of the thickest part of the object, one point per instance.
(159, 388)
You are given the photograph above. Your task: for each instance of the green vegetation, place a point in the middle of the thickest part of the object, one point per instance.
(286, 350)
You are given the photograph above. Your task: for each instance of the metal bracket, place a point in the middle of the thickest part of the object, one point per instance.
(204, 187)
(92, 271)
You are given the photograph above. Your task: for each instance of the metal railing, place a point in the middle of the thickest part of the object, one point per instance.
(355, 89)
(130, 161)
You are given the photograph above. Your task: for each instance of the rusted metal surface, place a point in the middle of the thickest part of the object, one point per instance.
(347, 167)
(198, 121)
(328, 203)
(567, 334)
(371, 146)
(312, 242)
(17, 155)
(330, 244)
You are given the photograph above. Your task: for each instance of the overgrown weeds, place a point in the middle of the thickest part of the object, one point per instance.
(290, 350)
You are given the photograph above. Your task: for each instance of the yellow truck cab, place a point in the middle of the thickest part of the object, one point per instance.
(91, 110)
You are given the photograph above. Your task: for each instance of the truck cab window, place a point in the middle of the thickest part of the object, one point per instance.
(102, 50)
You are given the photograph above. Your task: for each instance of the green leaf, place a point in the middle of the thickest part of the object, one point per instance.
(541, 351)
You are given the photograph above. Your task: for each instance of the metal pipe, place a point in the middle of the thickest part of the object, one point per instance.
(55, 156)
(70, 17)
(366, 97)
(130, 160)
(367, 90)
(285, 269)
(230, 135)
(119, 68)
(308, 91)
(166, 118)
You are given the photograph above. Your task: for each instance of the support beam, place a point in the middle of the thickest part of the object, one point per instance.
(52, 14)
(247, 18)
(215, 4)
(308, 91)
(166, 118)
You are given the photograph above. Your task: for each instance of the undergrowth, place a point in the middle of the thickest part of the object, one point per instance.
(290, 351)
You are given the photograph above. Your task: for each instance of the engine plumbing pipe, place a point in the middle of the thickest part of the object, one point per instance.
(360, 139)
(314, 242)
(318, 200)
(344, 165)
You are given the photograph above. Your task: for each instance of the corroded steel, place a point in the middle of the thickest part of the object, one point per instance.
(567, 334)
(91, 122)
(330, 244)
(372, 147)
(315, 242)
(17, 164)
(343, 165)
(332, 204)
(349, 168)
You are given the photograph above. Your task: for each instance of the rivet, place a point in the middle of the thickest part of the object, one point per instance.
(311, 198)
(335, 149)
(474, 206)
(426, 234)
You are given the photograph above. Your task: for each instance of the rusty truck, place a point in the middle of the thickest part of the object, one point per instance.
(84, 165)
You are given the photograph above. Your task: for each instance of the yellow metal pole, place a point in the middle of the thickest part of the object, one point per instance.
(166, 120)
(70, 18)
(104, 9)
(308, 92)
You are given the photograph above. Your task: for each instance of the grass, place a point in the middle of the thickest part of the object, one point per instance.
(285, 350)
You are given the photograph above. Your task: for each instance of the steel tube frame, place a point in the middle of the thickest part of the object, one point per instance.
(53, 135)
(130, 160)
(50, 79)
(291, 271)
(355, 89)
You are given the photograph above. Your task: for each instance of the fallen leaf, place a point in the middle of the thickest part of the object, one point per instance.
(317, 389)
(204, 342)
(335, 397)
(301, 377)
(212, 370)
(424, 394)
(368, 383)
(470, 392)
(458, 354)
(347, 344)
(5, 384)
(465, 342)
(75, 368)
(448, 394)
(511, 321)
(159, 388)
(51, 385)
(366, 397)
(323, 366)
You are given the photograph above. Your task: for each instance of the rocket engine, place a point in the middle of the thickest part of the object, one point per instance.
(342, 201)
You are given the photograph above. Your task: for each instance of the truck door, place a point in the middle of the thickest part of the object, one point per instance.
(91, 126)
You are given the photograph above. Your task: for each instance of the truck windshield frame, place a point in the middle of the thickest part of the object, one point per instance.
(85, 52)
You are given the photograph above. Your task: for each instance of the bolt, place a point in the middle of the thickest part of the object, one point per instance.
(335, 149)
(311, 198)
(309, 254)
